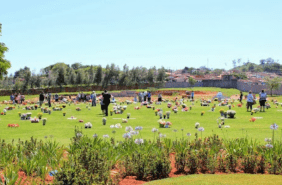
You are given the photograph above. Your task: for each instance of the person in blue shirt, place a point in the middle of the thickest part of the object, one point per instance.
(262, 100)
(12, 98)
(192, 95)
(250, 101)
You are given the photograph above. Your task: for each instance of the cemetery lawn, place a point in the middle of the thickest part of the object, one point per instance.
(230, 179)
(62, 129)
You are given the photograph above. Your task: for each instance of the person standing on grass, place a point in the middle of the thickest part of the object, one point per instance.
(149, 97)
(145, 95)
(12, 98)
(41, 99)
(93, 98)
(49, 99)
(250, 101)
(140, 96)
(219, 96)
(192, 95)
(241, 96)
(106, 101)
(262, 100)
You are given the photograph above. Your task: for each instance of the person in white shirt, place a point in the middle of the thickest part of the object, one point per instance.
(250, 101)
(262, 100)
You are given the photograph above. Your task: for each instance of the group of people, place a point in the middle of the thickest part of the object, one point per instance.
(82, 97)
(144, 96)
(251, 99)
(47, 97)
(17, 98)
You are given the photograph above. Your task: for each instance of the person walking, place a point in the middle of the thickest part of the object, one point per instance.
(219, 96)
(12, 98)
(140, 97)
(149, 97)
(241, 96)
(250, 101)
(106, 101)
(262, 100)
(192, 95)
(49, 99)
(41, 99)
(160, 97)
(93, 98)
(56, 97)
(145, 95)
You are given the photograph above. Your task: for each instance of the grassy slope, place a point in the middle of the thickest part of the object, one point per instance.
(63, 129)
(230, 179)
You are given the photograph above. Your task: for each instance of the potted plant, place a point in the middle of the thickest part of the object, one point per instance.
(64, 113)
(161, 114)
(39, 115)
(44, 120)
(104, 120)
(221, 111)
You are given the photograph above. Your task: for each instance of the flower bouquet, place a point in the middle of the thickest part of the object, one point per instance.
(197, 125)
(175, 110)
(252, 119)
(34, 120)
(169, 105)
(161, 123)
(167, 114)
(78, 109)
(13, 125)
(64, 113)
(221, 111)
(28, 115)
(124, 120)
(202, 113)
(212, 109)
(35, 107)
(153, 108)
(239, 105)
(128, 115)
(167, 124)
(111, 112)
(137, 108)
(72, 117)
(88, 125)
(2, 113)
(160, 114)
(80, 121)
(39, 115)
(267, 106)
(44, 120)
(19, 114)
(185, 109)
(149, 106)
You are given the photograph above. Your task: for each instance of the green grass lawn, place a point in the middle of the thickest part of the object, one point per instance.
(63, 129)
(230, 179)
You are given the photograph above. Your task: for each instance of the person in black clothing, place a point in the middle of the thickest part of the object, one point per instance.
(49, 96)
(41, 99)
(106, 101)
(241, 96)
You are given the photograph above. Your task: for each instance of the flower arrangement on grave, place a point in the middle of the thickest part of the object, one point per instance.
(34, 120)
(64, 113)
(80, 121)
(169, 105)
(185, 109)
(111, 112)
(124, 107)
(149, 106)
(124, 120)
(128, 115)
(202, 113)
(239, 105)
(28, 115)
(2, 113)
(267, 106)
(88, 125)
(167, 124)
(39, 115)
(78, 109)
(19, 114)
(184, 106)
(13, 125)
(213, 107)
(175, 110)
(197, 125)
(252, 119)
(256, 110)
(137, 108)
(104, 120)
(160, 114)
(23, 116)
(252, 112)
(35, 106)
(161, 123)
(221, 111)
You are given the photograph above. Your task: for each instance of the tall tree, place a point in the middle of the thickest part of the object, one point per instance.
(60, 80)
(80, 77)
(4, 64)
(72, 76)
(191, 81)
(98, 75)
(76, 66)
(273, 83)
(150, 76)
(91, 75)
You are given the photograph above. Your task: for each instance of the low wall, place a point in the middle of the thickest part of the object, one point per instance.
(257, 88)
(182, 84)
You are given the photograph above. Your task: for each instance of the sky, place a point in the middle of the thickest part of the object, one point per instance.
(173, 34)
